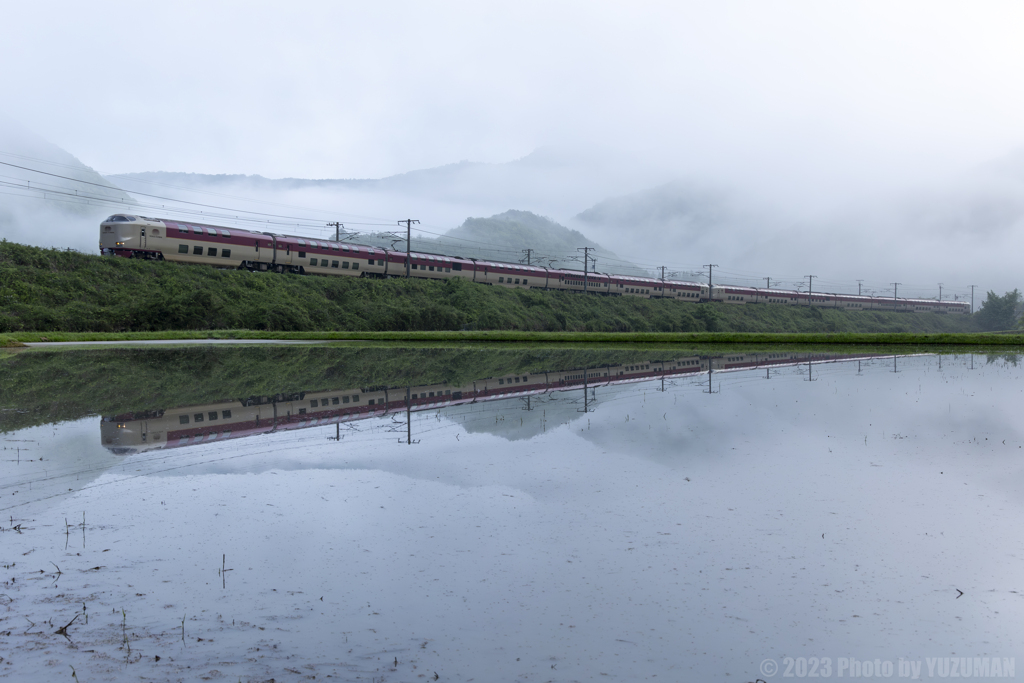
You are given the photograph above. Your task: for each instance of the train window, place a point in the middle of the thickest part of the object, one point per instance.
(334, 264)
(501, 279)
(524, 280)
(225, 253)
(211, 231)
(197, 251)
(197, 230)
(355, 398)
(302, 254)
(225, 414)
(302, 411)
(212, 415)
(225, 233)
(182, 248)
(312, 261)
(344, 264)
(302, 242)
(344, 399)
(314, 245)
(447, 270)
(517, 281)
(344, 247)
(431, 268)
(198, 417)
(355, 265)
(210, 251)
(183, 419)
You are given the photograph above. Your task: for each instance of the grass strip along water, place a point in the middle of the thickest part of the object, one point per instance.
(947, 339)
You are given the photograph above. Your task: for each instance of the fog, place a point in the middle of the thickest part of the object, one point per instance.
(867, 141)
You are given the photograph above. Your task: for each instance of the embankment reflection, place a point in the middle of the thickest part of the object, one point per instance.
(174, 427)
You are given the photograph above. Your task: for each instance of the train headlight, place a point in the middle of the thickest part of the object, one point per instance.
(120, 244)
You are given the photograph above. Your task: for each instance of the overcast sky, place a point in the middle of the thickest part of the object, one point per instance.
(855, 91)
(850, 133)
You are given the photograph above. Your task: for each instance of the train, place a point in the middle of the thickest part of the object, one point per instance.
(134, 236)
(131, 433)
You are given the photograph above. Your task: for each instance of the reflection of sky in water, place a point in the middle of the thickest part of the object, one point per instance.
(674, 533)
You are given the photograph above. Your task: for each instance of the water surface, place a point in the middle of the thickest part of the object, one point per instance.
(629, 514)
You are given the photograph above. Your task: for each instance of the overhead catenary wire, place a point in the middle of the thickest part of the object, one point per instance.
(260, 218)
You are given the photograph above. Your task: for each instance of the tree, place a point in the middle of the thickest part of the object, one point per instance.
(998, 312)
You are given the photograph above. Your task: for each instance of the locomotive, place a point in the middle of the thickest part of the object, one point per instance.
(134, 236)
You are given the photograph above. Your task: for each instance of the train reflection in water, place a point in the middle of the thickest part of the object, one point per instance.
(136, 432)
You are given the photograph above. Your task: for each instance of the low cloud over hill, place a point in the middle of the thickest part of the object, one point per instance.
(49, 197)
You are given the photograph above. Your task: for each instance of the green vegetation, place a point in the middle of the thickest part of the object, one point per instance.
(998, 312)
(49, 290)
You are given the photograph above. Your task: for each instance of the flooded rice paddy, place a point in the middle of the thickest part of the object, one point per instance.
(388, 514)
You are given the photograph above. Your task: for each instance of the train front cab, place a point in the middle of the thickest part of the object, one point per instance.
(126, 235)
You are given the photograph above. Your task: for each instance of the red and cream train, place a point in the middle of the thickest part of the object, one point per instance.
(136, 236)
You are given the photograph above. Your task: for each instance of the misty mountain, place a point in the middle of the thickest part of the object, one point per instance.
(673, 206)
(547, 176)
(512, 232)
(506, 237)
(556, 182)
(678, 223)
(47, 196)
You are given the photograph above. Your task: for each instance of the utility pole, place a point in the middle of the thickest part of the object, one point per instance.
(408, 241)
(586, 261)
(662, 274)
(972, 298)
(895, 288)
(940, 291)
(709, 266)
(858, 286)
(710, 372)
(810, 287)
(337, 229)
(528, 252)
(768, 282)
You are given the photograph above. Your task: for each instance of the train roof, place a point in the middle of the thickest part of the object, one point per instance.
(337, 245)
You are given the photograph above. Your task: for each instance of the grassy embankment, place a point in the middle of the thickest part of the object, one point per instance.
(51, 291)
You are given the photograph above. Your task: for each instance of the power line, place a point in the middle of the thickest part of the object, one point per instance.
(154, 196)
(268, 218)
